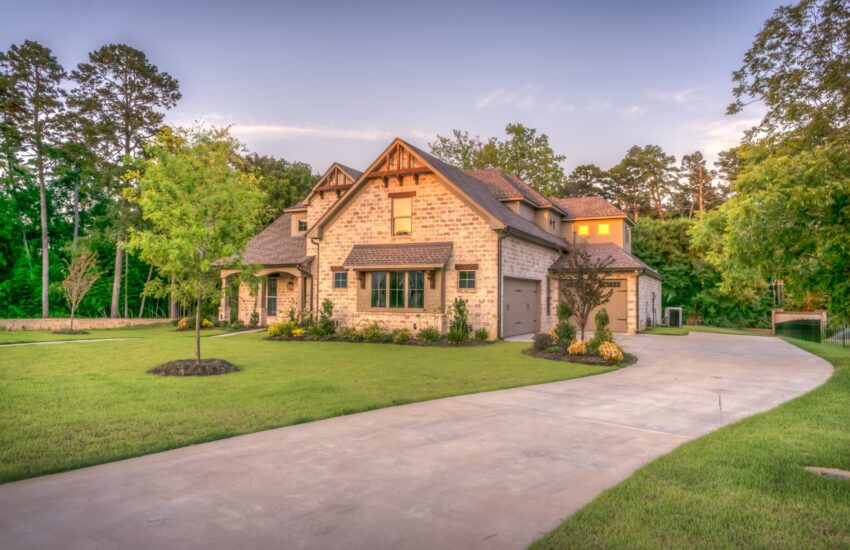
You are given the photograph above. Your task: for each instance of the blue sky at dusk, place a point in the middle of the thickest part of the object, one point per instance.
(324, 81)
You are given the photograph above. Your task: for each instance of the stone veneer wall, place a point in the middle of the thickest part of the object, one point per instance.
(522, 259)
(439, 215)
(82, 323)
(647, 286)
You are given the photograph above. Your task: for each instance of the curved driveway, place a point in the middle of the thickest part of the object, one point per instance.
(490, 470)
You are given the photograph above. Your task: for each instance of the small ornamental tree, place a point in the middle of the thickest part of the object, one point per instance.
(200, 210)
(581, 284)
(459, 328)
(602, 333)
(564, 330)
(82, 274)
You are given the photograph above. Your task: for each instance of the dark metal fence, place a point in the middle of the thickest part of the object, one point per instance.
(813, 331)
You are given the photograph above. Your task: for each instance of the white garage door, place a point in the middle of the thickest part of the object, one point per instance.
(521, 307)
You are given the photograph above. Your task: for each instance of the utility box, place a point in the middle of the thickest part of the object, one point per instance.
(674, 316)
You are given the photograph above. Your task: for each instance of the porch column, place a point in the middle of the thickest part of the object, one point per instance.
(261, 297)
(224, 307)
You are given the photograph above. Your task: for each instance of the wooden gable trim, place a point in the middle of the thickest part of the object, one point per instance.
(338, 268)
(402, 194)
(342, 203)
(466, 267)
(323, 184)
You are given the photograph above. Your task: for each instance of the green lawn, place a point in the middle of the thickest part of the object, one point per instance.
(683, 331)
(740, 487)
(71, 405)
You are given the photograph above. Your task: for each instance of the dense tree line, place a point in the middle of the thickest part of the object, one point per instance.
(71, 145)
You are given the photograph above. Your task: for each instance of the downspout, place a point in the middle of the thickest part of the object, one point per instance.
(637, 302)
(315, 278)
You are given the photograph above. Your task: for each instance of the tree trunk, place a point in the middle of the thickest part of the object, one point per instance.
(72, 320)
(142, 307)
(116, 282)
(172, 303)
(126, 282)
(76, 213)
(45, 247)
(26, 247)
(198, 328)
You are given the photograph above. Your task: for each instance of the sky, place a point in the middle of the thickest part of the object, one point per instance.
(320, 81)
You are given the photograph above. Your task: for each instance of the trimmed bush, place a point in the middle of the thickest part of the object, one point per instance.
(565, 331)
(482, 335)
(255, 319)
(543, 341)
(282, 330)
(459, 329)
(402, 336)
(610, 352)
(185, 324)
(375, 333)
(325, 326)
(428, 335)
(578, 347)
(602, 333)
(299, 332)
(350, 334)
(206, 323)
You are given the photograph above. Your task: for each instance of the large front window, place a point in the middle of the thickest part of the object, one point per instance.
(402, 215)
(398, 289)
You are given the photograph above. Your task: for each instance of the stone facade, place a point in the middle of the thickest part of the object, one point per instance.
(81, 323)
(439, 215)
(649, 296)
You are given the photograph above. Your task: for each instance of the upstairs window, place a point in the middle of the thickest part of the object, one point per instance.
(628, 234)
(604, 229)
(302, 225)
(466, 279)
(584, 229)
(402, 215)
(340, 279)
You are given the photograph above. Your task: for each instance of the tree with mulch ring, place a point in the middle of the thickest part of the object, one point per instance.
(200, 211)
(191, 367)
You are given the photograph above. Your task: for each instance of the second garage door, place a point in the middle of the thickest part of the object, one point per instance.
(617, 307)
(521, 307)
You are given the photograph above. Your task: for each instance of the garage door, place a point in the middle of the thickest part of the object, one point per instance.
(521, 306)
(617, 307)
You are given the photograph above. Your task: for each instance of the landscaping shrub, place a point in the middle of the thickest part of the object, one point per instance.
(543, 341)
(565, 331)
(602, 332)
(402, 336)
(206, 323)
(428, 335)
(299, 332)
(283, 330)
(578, 347)
(236, 325)
(375, 333)
(325, 325)
(459, 329)
(350, 334)
(610, 352)
(482, 335)
(255, 319)
(185, 324)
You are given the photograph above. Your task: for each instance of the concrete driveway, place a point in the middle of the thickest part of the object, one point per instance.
(491, 470)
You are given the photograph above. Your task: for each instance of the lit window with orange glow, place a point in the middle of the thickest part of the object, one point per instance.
(584, 230)
(604, 229)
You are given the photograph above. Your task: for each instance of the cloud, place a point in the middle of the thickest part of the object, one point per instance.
(278, 131)
(558, 105)
(679, 97)
(634, 110)
(720, 135)
(523, 98)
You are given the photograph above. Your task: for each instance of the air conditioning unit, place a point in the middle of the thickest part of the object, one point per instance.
(674, 316)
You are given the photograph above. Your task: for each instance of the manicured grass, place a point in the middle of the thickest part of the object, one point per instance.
(25, 336)
(683, 331)
(78, 404)
(740, 487)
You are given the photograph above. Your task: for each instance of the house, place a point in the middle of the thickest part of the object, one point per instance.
(398, 242)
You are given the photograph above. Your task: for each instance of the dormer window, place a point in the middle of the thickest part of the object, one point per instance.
(302, 225)
(553, 225)
(604, 229)
(584, 229)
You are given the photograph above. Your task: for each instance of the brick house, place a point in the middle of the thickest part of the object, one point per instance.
(398, 242)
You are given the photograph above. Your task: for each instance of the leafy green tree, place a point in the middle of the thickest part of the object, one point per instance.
(644, 180)
(120, 98)
(589, 180)
(284, 183)
(32, 100)
(581, 284)
(201, 210)
(797, 67)
(524, 154)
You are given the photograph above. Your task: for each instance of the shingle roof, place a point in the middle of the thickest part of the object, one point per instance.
(589, 207)
(275, 245)
(621, 259)
(412, 254)
(506, 186)
(481, 193)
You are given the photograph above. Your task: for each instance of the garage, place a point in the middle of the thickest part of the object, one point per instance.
(617, 307)
(521, 307)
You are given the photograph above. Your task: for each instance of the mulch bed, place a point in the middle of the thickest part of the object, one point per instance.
(628, 358)
(189, 367)
(413, 342)
(67, 331)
